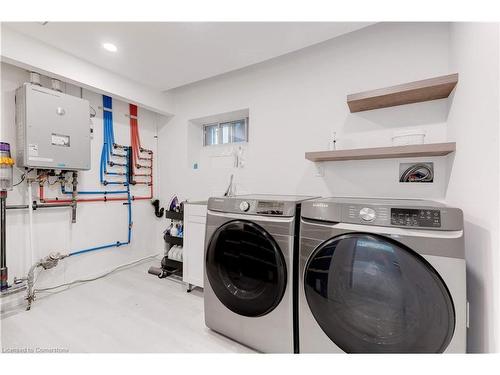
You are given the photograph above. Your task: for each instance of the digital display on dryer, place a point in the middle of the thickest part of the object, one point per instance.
(270, 208)
(415, 217)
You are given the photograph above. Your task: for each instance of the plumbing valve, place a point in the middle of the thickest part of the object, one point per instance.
(46, 263)
(51, 260)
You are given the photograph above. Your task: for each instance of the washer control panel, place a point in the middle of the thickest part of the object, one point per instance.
(393, 216)
(381, 212)
(416, 217)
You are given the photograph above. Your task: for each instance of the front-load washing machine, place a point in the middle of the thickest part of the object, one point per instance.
(381, 276)
(249, 269)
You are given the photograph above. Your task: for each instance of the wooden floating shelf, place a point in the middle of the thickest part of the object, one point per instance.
(407, 93)
(432, 149)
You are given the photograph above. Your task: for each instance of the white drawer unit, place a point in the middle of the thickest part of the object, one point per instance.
(195, 218)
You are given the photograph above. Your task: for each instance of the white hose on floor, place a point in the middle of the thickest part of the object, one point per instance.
(79, 281)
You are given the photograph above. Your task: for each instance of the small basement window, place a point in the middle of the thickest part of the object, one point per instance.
(223, 133)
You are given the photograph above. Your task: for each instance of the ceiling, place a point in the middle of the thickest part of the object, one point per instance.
(166, 55)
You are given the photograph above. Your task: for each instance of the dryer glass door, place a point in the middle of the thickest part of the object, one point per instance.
(371, 294)
(246, 268)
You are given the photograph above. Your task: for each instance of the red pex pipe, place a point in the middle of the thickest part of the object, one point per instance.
(85, 200)
(57, 200)
(135, 142)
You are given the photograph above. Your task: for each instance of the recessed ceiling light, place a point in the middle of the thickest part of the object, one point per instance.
(109, 47)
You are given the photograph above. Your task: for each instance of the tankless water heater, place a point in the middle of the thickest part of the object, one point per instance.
(53, 129)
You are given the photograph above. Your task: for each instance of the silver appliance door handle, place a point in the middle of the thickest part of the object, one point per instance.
(390, 231)
(249, 217)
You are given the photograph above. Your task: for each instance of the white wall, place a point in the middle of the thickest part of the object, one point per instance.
(473, 122)
(296, 102)
(97, 223)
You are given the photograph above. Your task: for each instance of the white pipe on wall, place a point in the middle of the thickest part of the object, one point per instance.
(30, 216)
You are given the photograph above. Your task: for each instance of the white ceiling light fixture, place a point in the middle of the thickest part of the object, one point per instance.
(109, 47)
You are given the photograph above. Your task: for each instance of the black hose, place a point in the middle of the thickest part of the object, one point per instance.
(158, 211)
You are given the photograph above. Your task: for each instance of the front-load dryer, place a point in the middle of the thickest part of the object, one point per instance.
(381, 276)
(249, 269)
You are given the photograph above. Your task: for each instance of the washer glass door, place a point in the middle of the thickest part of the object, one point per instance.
(246, 268)
(371, 294)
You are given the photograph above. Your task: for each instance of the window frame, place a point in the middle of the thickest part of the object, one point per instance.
(220, 134)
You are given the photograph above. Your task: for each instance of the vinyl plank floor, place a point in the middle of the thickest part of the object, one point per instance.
(128, 311)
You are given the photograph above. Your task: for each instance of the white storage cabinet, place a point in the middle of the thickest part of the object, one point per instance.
(195, 218)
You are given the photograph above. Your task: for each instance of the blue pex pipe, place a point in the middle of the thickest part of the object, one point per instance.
(118, 243)
(105, 192)
(108, 144)
(106, 151)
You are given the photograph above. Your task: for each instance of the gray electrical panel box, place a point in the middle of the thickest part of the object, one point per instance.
(53, 129)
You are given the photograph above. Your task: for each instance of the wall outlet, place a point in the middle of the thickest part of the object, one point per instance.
(319, 170)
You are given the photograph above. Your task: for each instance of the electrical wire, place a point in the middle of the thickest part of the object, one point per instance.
(80, 281)
(23, 177)
(52, 183)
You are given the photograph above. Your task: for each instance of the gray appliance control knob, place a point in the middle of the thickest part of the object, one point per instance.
(367, 214)
(244, 206)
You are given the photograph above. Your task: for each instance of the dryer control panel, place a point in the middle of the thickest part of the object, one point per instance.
(416, 217)
(252, 206)
(270, 208)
